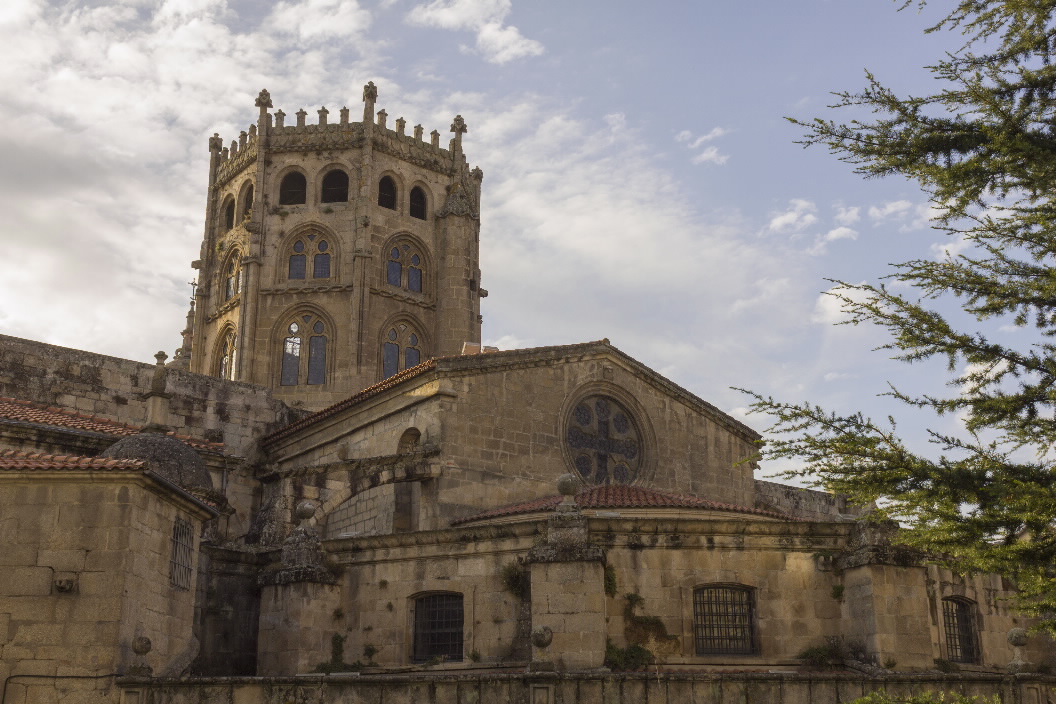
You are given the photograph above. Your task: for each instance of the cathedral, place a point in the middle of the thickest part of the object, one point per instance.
(333, 492)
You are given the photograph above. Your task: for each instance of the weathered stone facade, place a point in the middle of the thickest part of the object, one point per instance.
(523, 525)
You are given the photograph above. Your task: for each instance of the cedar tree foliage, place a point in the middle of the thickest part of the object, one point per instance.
(984, 149)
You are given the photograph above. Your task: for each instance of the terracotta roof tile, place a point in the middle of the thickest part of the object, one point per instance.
(30, 412)
(617, 496)
(18, 460)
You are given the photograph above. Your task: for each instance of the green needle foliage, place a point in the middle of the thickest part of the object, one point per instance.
(984, 148)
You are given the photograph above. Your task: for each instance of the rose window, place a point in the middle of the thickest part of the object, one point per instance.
(604, 441)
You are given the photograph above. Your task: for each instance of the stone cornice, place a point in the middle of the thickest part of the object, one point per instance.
(231, 168)
(404, 298)
(329, 288)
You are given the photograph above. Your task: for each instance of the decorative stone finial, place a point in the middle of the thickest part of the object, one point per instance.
(304, 510)
(477, 174)
(323, 112)
(280, 118)
(242, 136)
(418, 132)
(234, 148)
(382, 117)
(435, 138)
(401, 126)
(344, 116)
(263, 100)
(370, 92)
(157, 382)
(542, 637)
(141, 645)
(301, 114)
(1017, 638)
(215, 143)
(459, 126)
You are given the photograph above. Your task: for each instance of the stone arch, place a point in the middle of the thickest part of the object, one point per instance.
(401, 189)
(428, 273)
(305, 232)
(225, 352)
(409, 441)
(405, 326)
(321, 183)
(229, 277)
(245, 200)
(280, 180)
(427, 201)
(279, 332)
(227, 219)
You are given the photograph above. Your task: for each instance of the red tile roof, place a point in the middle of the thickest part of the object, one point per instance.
(18, 460)
(618, 496)
(30, 412)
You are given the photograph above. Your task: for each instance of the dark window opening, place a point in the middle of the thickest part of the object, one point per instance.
(229, 215)
(180, 559)
(300, 365)
(438, 625)
(298, 266)
(291, 358)
(392, 358)
(724, 621)
(247, 203)
(387, 193)
(317, 358)
(321, 266)
(293, 190)
(335, 187)
(962, 643)
(417, 203)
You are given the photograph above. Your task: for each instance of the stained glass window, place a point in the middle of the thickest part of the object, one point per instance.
(405, 267)
(604, 441)
(400, 339)
(298, 368)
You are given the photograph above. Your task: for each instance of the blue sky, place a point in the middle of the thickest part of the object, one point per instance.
(641, 182)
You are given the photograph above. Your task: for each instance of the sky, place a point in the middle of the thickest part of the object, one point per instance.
(641, 181)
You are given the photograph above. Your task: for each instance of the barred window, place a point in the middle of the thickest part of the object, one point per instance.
(182, 552)
(724, 620)
(962, 642)
(438, 622)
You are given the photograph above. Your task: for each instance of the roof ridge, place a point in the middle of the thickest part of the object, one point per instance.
(22, 459)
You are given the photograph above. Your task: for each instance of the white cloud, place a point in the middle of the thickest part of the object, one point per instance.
(821, 242)
(317, 20)
(709, 154)
(796, 219)
(496, 42)
(896, 209)
(847, 216)
(828, 308)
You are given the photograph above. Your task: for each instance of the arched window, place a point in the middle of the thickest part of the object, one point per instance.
(225, 360)
(232, 277)
(418, 203)
(724, 620)
(409, 441)
(293, 190)
(962, 631)
(247, 203)
(402, 349)
(311, 249)
(229, 214)
(387, 193)
(438, 626)
(304, 352)
(335, 187)
(404, 267)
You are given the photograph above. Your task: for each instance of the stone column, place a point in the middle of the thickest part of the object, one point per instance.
(568, 591)
(297, 604)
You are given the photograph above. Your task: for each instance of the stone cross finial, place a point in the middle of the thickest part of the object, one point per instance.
(323, 112)
(418, 131)
(382, 117)
(370, 95)
(459, 126)
(263, 101)
(301, 114)
(215, 143)
(280, 118)
(344, 116)
(401, 126)
(477, 174)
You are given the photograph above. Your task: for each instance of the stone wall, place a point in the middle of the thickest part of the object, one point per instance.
(77, 547)
(584, 688)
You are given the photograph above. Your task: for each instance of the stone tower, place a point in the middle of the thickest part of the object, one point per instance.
(335, 254)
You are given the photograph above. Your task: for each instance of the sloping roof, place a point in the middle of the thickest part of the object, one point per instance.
(37, 413)
(18, 460)
(490, 360)
(618, 496)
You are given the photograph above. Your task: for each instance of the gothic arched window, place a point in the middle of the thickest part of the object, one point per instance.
(225, 361)
(404, 267)
(335, 187)
(247, 203)
(387, 193)
(232, 277)
(311, 248)
(401, 349)
(293, 190)
(229, 214)
(304, 352)
(418, 203)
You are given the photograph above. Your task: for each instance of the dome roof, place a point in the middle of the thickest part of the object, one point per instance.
(169, 457)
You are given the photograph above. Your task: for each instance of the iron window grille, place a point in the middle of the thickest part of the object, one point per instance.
(438, 624)
(724, 621)
(962, 642)
(182, 551)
